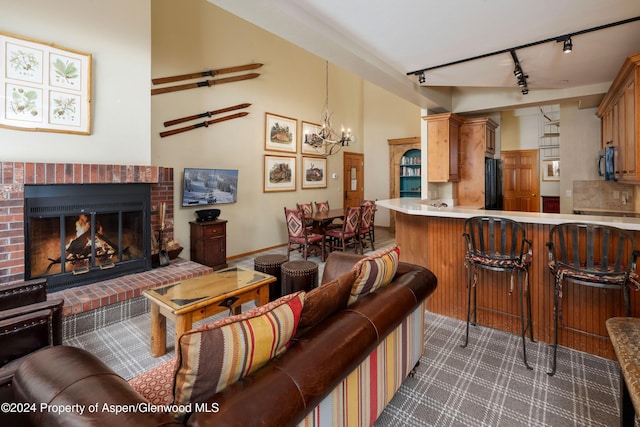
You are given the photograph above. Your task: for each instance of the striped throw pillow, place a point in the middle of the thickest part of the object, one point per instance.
(213, 356)
(374, 272)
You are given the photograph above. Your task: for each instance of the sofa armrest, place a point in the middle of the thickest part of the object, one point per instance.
(22, 293)
(63, 375)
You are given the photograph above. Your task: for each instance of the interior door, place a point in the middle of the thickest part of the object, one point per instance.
(521, 180)
(353, 179)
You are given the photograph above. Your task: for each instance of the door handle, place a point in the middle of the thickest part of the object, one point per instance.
(533, 195)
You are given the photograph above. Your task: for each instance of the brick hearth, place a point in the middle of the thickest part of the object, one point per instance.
(101, 294)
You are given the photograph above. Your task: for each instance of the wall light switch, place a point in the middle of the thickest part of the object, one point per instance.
(616, 194)
(568, 193)
(334, 176)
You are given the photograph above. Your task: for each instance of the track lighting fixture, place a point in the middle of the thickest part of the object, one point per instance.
(520, 76)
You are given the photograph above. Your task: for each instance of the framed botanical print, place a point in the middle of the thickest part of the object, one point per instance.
(280, 133)
(45, 87)
(314, 172)
(279, 173)
(310, 143)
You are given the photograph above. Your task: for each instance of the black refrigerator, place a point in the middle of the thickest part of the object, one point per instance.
(493, 184)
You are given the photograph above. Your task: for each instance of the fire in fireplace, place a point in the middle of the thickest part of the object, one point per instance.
(78, 234)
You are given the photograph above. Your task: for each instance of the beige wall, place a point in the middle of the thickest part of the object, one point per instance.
(116, 33)
(387, 117)
(194, 36)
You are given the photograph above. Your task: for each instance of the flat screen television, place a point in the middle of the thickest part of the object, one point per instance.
(202, 187)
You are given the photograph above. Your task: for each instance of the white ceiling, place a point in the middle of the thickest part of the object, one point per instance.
(383, 40)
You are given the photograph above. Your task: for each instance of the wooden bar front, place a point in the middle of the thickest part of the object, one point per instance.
(437, 243)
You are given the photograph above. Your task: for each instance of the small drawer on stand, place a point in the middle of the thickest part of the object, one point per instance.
(213, 231)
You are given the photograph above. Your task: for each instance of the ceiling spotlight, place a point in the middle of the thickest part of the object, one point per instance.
(568, 45)
(421, 78)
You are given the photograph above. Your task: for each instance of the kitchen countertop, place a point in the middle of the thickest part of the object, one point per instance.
(415, 206)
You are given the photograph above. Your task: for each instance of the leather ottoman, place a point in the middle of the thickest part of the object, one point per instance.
(299, 276)
(270, 264)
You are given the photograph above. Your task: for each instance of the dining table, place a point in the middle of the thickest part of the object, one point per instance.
(321, 220)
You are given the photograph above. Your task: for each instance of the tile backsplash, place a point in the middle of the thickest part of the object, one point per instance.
(603, 195)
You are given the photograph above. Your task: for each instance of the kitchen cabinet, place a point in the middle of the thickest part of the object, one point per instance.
(209, 243)
(443, 155)
(620, 118)
(405, 171)
(477, 141)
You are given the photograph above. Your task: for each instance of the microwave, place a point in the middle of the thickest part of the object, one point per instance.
(608, 162)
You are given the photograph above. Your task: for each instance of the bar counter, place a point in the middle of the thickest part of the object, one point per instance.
(432, 237)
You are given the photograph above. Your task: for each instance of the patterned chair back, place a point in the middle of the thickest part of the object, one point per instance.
(295, 225)
(366, 216)
(322, 206)
(306, 208)
(352, 220)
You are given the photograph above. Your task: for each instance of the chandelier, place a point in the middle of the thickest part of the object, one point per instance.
(326, 141)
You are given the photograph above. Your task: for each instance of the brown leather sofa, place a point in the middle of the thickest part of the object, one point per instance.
(279, 394)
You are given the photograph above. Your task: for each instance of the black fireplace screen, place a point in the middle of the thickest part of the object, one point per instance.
(78, 234)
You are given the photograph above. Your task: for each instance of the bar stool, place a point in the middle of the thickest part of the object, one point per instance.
(590, 255)
(299, 276)
(271, 264)
(498, 244)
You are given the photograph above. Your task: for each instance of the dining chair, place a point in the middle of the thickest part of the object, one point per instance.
(498, 244)
(339, 239)
(365, 231)
(322, 207)
(590, 255)
(300, 237)
(307, 210)
(373, 216)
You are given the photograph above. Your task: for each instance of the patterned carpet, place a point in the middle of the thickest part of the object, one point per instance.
(484, 384)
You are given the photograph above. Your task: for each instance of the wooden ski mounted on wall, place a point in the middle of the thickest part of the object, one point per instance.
(203, 124)
(204, 83)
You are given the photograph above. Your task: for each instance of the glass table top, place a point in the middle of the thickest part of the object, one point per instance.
(213, 286)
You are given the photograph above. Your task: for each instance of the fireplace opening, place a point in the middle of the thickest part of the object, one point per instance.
(77, 234)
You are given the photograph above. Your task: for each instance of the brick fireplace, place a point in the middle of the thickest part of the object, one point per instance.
(15, 175)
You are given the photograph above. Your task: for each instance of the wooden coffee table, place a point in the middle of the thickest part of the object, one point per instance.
(194, 299)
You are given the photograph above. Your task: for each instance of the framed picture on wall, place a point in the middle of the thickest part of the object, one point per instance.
(279, 173)
(45, 87)
(551, 170)
(310, 142)
(314, 172)
(280, 133)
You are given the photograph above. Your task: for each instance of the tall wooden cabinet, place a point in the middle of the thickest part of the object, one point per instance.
(443, 132)
(477, 141)
(400, 182)
(209, 243)
(620, 115)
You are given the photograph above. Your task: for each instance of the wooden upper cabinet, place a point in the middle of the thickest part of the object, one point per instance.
(620, 118)
(443, 155)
